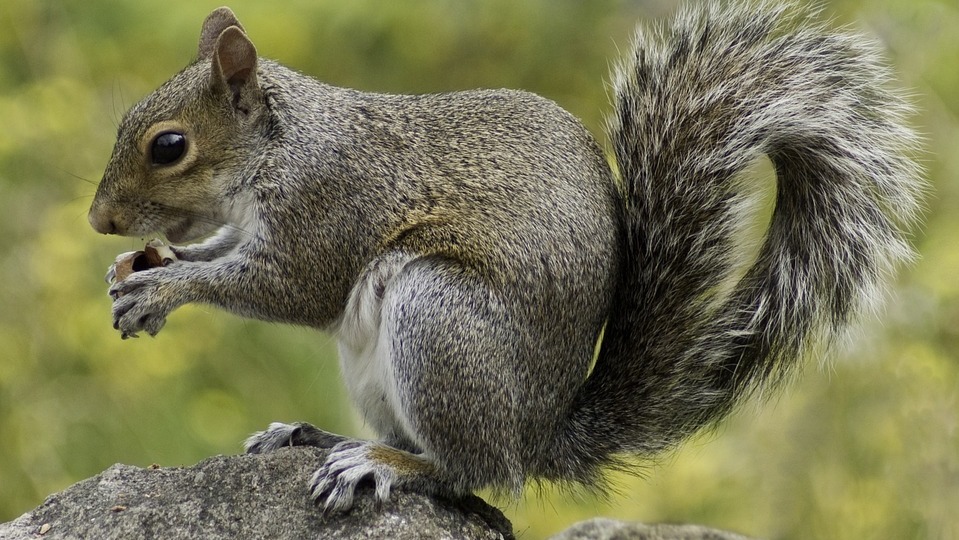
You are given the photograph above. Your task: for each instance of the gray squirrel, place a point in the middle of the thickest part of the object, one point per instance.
(472, 250)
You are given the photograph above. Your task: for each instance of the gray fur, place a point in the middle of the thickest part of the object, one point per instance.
(469, 248)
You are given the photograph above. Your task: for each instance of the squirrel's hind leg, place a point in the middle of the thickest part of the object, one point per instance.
(433, 378)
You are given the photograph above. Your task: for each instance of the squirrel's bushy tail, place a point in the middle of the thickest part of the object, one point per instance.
(695, 104)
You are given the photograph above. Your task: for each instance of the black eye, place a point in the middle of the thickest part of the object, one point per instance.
(167, 148)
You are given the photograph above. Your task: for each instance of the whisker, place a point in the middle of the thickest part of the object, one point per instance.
(77, 176)
(113, 103)
(78, 197)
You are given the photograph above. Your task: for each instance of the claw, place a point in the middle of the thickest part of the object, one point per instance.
(333, 486)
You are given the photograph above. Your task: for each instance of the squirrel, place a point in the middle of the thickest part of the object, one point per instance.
(510, 304)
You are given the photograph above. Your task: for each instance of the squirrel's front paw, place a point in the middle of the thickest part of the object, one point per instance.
(279, 435)
(141, 302)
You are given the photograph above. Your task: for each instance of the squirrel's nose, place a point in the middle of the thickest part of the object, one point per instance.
(102, 222)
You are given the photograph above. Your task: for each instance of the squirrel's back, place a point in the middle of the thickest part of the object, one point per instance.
(500, 166)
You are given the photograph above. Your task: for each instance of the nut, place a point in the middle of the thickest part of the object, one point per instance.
(154, 255)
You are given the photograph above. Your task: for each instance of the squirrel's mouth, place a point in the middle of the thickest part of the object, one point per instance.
(190, 229)
(182, 232)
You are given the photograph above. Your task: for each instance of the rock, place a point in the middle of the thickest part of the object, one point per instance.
(609, 529)
(246, 496)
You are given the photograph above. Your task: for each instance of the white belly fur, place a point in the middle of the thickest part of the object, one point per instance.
(366, 352)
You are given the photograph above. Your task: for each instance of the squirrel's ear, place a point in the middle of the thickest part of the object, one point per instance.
(234, 67)
(214, 25)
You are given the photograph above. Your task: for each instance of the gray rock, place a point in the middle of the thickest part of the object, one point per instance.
(609, 529)
(236, 497)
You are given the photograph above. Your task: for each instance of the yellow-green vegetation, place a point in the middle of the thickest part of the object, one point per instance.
(866, 446)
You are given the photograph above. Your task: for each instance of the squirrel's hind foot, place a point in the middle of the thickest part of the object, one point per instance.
(352, 463)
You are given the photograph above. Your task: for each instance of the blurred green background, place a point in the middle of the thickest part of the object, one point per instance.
(866, 446)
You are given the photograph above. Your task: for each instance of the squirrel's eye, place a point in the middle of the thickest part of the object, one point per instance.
(167, 148)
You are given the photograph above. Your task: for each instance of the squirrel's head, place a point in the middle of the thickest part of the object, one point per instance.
(180, 149)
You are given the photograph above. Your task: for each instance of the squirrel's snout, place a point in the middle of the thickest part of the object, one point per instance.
(101, 221)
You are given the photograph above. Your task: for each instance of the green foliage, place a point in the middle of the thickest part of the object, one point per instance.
(865, 448)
